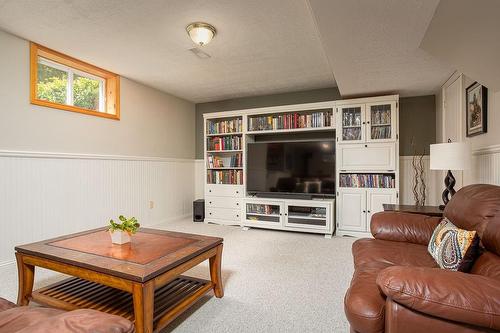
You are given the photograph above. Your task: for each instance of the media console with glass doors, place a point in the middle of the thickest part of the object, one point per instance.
(319, 167)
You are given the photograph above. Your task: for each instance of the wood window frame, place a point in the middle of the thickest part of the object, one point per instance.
(111, 89)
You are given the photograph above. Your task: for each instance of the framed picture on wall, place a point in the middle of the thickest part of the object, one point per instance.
(476, 109)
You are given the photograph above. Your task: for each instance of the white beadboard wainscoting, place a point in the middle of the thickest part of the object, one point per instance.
(199, 179)
(485, 166)
(44, 195)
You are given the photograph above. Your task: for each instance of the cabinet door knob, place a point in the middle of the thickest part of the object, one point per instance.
(210, 191)
(237, 192)
(364, 211)
(209, 213)
(237, 204)
(210, 202)
(364, 123)
(369, 211)
(367, 122)
(237, 215)
(366, 146)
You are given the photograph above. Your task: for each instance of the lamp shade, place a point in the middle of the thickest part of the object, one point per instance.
(450, 156)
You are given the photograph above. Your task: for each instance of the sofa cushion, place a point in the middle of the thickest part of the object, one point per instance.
(18, 318)
(364, 304)
(382, 254)
(32, 319)
(476, 207)
(5, 304)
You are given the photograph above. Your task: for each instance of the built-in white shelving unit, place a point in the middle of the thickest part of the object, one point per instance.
(366, 134)
(367, 161)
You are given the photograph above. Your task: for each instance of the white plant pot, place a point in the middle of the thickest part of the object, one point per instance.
(120, 237)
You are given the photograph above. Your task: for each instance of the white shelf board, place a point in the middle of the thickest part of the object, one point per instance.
(226, 168)
(225, 134)
(307, 217)
(266, 215)
(292, 130)
(225, 151)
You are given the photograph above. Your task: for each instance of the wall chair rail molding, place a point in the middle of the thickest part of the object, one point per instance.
(37, 154)
(45, 194)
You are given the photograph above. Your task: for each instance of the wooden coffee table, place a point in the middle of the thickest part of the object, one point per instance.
(140, 281)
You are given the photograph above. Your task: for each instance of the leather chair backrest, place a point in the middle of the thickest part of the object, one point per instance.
(477, 207)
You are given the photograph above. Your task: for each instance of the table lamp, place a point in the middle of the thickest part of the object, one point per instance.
(450, 156)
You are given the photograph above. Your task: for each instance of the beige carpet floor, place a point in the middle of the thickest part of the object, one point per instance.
(274, 281)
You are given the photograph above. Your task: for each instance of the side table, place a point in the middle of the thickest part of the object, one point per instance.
(423, 210)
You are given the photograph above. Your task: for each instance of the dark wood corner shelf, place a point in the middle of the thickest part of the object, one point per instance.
(412, 209)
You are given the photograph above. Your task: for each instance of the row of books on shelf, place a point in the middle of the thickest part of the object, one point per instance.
(225, 126)
(233, 177)
(234, 161)
(367, 180)
(224, 143)
(382, 132)
(262, 209)
(290, 121)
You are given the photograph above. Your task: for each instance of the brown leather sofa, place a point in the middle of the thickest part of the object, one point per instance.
(32, 319)
(398, 287)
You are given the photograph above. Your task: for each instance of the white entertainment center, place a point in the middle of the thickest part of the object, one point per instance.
(366, 138)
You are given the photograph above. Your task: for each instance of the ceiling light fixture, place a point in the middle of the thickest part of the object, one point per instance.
(201, 33)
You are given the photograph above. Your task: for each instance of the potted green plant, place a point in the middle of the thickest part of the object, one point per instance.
(121, 231)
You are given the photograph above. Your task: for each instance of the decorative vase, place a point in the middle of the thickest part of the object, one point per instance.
(120, 237)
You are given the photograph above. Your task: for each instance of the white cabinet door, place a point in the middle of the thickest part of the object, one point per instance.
(313, 215)
(352, 210)
(381, 122)
(351, 123)
(376, 198)
(263, 212)
(367, 157)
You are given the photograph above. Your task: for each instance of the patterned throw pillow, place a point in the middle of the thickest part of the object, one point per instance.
(453, 248)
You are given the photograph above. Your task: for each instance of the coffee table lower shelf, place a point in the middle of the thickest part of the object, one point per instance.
(170, 300)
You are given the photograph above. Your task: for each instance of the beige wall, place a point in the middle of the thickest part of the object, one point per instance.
(491, 138)
(485, 147)
(152, 123)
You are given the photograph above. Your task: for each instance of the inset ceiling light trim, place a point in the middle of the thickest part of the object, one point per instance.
(201, 33)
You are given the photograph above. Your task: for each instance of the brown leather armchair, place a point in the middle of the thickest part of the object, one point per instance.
(398, 287)
(34, 319)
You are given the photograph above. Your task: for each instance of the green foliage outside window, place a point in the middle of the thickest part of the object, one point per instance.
(52, 86)
(85, 92)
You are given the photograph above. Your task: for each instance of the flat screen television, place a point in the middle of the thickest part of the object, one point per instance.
(299, 168)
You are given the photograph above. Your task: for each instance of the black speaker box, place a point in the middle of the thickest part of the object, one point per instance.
(199, 210)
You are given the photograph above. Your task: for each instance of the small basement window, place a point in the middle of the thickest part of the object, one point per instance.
(61, 82)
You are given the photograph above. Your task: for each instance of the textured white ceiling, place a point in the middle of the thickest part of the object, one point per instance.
(262, 46)
(372, 46)
(467, 35)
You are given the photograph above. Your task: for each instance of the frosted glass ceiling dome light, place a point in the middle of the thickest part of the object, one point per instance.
(201, 33)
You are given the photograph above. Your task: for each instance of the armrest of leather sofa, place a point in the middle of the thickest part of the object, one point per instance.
(403, 227)
(456, 296)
